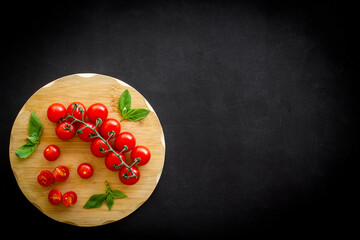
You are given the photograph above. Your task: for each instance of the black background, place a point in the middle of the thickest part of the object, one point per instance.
(256, 99)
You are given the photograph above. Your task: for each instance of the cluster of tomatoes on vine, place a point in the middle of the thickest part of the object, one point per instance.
(107, 141)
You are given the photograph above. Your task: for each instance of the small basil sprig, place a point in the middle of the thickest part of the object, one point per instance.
(131, 114)
(35, 130)
(96, 200)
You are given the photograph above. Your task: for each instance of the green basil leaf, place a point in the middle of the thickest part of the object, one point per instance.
(35, 126)
(109, 201)
(136, 114)
(95, 201)
(117, 194)
(26, 150)
(124, 104)
(32, 140)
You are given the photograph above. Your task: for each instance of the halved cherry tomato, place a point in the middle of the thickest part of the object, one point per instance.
(95, 111)
(55, 112)
(77, 112)
(45, 178)
(142, 153)
(61, 173)
(112, 160)
(51, 152)
(69, 198)
(85, 170)
(96, 147)
(125, 138)
(54, 197)
(87, 132)
(65, 131)
(125, 174)
(109, 125)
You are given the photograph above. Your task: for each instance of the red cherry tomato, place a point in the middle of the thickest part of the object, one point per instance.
(55, 112)
(69, 198)
(87, 132)
(125, 138)
(77, 112)
(54, 197)
(109, 125)
(96, 147)
(85, 170)
(95, 111)
(45, 178)
(112, 159)
(125, 174)
(51, 152)
(141, 152)
(61, 173)
(65, 131)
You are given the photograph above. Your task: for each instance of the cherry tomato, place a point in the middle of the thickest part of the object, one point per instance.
(45, 178)
(69, 198)
(77, 112)
(85, 170)
(125, 173)
(65, 131)
(61, 173)
(95, 111)
(141, 152)
(96, 147)
(112, 159)
(51, 152)
(86, 132)
(109, 125)
(54, 197)
(125, 138)
(55, 112)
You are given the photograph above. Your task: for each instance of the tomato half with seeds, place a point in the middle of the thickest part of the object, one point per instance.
(45, 178)
(112, 160)
(51, 152)
(79, 111)
(98, 147)
(125, 175)
(69, 199)
(86, 133)
(95, 111)
(55, 112)
(54, 197)
(125, 138)
(142, 154)
(61, 173)
(85, 170)
(65, 130)
(108, 126)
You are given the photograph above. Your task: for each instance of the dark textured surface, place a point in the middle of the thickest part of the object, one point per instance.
(256, 100)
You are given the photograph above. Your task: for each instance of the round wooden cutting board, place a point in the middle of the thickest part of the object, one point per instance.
(87, 89)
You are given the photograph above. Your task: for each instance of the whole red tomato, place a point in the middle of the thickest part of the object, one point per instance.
(77, 112)
(125, 138)
(86, 132)
(125, 173)
(97, 110)
(69, 198)
(142, 153)
(85, 170)
(55, 112)
(45, 178)
(61, 173)
(112, 160)
(51, 152)
(109, 125)
(54, 197)
(96, 147)
(65, 131)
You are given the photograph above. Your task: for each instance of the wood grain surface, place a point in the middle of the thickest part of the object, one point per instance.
(87, 89)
